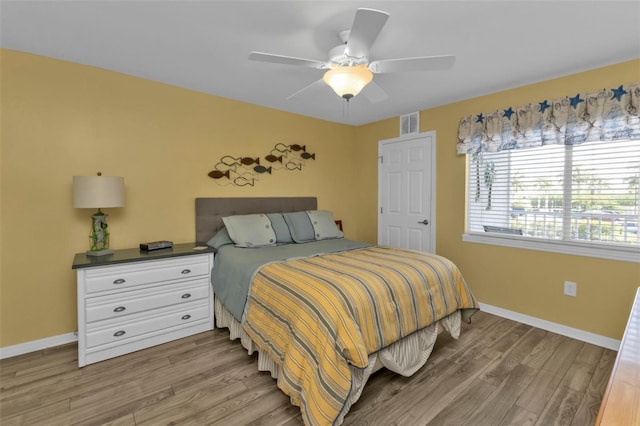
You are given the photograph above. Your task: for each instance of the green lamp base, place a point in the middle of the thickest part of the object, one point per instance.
(99, 237)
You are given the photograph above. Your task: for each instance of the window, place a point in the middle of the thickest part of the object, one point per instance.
(584, 195)
(559, 175)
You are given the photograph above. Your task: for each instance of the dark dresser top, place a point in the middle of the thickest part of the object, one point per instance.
(81, 260)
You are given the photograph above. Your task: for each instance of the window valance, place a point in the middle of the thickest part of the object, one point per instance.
(607, 115)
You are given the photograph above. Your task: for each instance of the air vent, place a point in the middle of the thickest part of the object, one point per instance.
(409, 123)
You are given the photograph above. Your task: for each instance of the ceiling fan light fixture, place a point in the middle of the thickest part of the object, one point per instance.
(348, 81)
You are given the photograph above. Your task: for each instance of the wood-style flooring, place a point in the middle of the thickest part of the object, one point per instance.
(499, 372)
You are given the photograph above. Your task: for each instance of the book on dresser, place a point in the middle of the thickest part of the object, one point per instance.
(134, 299)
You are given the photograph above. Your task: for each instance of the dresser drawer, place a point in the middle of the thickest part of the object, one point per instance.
(130, 275)
(120, 305)
(130, 330)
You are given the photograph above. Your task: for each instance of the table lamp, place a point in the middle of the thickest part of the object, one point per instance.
(98, 192)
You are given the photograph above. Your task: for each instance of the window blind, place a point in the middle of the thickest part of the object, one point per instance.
(588, 192)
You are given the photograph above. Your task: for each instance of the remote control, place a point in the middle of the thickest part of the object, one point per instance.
(156, 245)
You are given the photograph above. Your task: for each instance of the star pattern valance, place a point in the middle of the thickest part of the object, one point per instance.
(607, 115)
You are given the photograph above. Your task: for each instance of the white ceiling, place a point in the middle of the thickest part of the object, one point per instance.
(203, 45)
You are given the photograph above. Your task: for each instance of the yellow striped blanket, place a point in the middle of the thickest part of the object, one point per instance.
(315, 316)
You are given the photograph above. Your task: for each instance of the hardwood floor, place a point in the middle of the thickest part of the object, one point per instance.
(499, 372)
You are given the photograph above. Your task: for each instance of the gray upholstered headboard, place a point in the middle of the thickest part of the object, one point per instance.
(210, 211)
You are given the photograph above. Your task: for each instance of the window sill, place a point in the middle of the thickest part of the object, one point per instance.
(578, 248)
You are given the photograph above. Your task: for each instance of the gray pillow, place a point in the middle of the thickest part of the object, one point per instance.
(324, 226)
(283, 236)
(299, 226)
(250, 230)
(220, 239)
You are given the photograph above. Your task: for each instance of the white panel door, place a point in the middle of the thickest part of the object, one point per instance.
(406, 182)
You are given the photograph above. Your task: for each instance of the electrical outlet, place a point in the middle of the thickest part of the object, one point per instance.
(570, 289)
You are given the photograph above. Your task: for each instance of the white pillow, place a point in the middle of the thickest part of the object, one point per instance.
(324, 227)
(250, 230)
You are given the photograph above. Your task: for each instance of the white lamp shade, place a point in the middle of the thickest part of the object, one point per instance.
(98, 191)
(348, 81)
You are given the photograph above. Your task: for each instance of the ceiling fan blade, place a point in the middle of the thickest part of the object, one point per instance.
(423, 63)
(287, 60)
(374, 93)
(311, 87)
(365, 29)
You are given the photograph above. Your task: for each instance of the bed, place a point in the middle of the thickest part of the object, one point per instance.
(324, 312)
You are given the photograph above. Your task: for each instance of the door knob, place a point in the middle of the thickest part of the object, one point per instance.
(424, 222)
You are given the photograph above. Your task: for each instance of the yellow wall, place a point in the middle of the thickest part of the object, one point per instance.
(525, 281)
(61, 119)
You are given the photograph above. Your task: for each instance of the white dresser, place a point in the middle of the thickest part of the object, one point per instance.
(133, 299)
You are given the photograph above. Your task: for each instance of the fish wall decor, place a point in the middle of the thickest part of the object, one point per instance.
(247, 170)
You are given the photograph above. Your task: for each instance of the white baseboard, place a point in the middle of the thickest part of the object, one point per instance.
(36, 345)
(574, 333)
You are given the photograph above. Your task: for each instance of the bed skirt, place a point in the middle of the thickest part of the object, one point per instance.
(404, 357)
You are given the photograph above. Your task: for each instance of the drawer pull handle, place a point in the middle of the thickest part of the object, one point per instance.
(119, 309)
(186, 296)
(186, 317)
(186, 271)
(119, 333)
(119, 281)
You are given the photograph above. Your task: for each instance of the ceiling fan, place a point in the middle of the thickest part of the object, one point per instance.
(349, 67)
